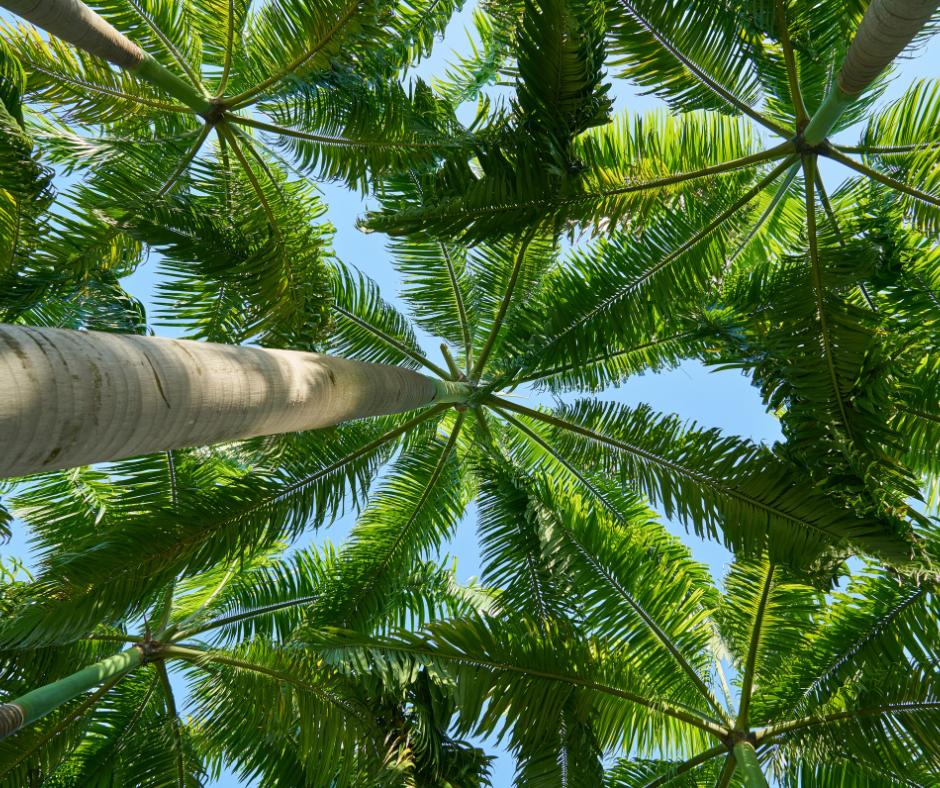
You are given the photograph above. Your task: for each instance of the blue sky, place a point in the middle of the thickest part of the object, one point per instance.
(725, 400)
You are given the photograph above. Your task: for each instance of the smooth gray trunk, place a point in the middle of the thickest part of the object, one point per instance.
(70, 398)
(886, 29)
(73, 21)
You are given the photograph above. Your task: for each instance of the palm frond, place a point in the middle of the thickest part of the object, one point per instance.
(521, 673)
(757, 501)
(93, 93)
(363, 320)
(693, 56)
(227, 276)
(226, 509)
(412, 513)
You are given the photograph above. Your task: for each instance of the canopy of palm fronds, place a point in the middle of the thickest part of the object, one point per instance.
(695, 238)
(607, 659)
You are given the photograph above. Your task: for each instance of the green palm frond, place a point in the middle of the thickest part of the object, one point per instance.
(464, 80)
(909, 126)
(626, 582)
(224, 512)
(339, 126)
(516, 548)
(288, 41)
(268, 599)
(25, 184)
(781, 212)
(611, 176)
(832, 377)
(91, 750)
(12, 82)
(221, 25)
(170, 32)
(694, 56)
(411, 514)
(918, 420)
(73, 152)
(89, 90)
(437, 284)
(876, 624)
(571, 757)
(227, 276)
(906, 125)
(615, 302)
(560, 92)
(869, 723)
(765, 617)
(362, 320)
(522, 673)
(133, 744)
(850, 773)
(639, 773)
(819, 36)
(704, 479)
(518, 267)
(288, 697)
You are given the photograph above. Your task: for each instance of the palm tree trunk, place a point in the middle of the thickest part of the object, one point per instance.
(37, 704)
(886, 29)
(76, 23)
(746, 757)
(70, 398)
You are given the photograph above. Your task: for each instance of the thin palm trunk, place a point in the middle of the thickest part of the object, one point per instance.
(70, 398)
(886, 29)
(746, 757)
(35, 705)
(76, 23)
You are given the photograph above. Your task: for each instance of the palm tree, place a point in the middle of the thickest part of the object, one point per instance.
(720, 486)
(76, 398)
(701, 222)
(747, 493)
(611, 312)
(137, 395)
(609, 642)
(327, 68)
(491, 305)
(231, 629)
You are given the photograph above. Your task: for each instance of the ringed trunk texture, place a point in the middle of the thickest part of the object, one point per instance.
(73, 21)
(70, 398)
(76, 23)
(35, 705)
(887, 28)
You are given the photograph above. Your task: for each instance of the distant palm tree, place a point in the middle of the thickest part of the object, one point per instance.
(830, 303)
(608, 641)
(270, 708)
(326, 72)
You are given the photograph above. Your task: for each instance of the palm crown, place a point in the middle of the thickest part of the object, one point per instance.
(616, 646)
(696, 216)
(712, 246)
(258, 699)
(254, 233)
